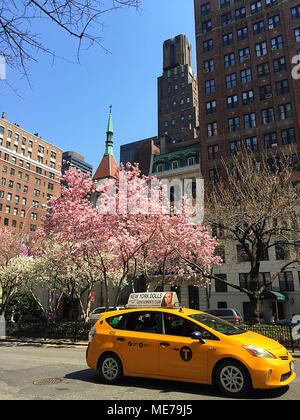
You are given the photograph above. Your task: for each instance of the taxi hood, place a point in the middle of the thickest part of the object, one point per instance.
(258, 340)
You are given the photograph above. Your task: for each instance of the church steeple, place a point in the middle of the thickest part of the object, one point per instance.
(109, 135)
(108, 167)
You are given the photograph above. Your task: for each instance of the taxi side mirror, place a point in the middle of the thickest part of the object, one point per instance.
(197, 335)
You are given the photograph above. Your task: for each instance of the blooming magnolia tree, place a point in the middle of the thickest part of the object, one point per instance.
(9, 249)
(151, 234)
(129, 231)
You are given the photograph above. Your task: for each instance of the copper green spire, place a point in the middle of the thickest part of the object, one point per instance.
(109, 135)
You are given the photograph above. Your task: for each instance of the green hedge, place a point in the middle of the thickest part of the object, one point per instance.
(73, 330)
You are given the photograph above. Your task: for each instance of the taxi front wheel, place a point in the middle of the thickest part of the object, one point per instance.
(110, 368)
(232, 378)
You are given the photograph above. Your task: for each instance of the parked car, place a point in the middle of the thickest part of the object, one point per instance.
(291, 321)
(231, 315)
(95, 314)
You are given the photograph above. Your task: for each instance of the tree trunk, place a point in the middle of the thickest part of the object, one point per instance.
(254, 308)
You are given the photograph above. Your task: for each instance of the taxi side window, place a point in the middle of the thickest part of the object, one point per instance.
(176, 325)
(149, 322)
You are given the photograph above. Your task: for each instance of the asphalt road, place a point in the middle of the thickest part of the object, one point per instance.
(41, 372)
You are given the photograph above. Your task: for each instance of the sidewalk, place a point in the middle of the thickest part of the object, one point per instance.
(45, 341)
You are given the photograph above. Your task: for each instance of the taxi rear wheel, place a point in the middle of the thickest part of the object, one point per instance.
(110, 368)
(232, 378)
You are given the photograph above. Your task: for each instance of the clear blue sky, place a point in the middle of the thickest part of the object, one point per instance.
(68, 103)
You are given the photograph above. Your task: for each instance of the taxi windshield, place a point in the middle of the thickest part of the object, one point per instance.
(217, 324)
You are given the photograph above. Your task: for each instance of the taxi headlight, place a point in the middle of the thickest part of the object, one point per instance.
(92, 332)
(258, 352)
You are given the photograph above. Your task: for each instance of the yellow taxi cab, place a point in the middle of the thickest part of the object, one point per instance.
(182, 344)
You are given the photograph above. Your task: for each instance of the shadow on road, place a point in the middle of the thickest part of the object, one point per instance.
(166, 387)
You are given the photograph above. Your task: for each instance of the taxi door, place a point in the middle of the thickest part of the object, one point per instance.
(138, 345)
(179, 355)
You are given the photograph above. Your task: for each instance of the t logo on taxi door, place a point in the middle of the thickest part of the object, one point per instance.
(186, 354)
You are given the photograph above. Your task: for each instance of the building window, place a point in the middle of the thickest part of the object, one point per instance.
(286, 281)
(211, 107)
(212, 129)
(256, 7)
(242, 253)
(270, 140)
(274, 22)
(246, 75)
(292, 161)
(251, 144)
(234, 146)
(159, 167)
(240, 13)
(224, 3)
(250, 120)
(232, 102)
(295, 12)
(230, 80)
(233, 124)
(210, 86)
(207, 45)
(226, 19)
(191, 161)
(267, 115)
(219, 285)
(279, 64)
(242, 33)
(258, 27)
(205, 9)
(265, 92)
(263, 69)
(213, 152)
(175, 164)
(285, 111)
(213, 175)
(282, 87)
(261, 49)
(244, 54)
(277, 43)
(228, 39)
(206, 26)
(281, 252)
(208, 66)
(247, 97)
(288, 136)
(229, 60)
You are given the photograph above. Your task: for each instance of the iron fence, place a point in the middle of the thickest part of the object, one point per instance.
(281, 333)
(78, 330)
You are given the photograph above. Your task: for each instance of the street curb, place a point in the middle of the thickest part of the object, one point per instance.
(45, 341)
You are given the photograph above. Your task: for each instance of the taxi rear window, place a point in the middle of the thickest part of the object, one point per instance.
(116, 322)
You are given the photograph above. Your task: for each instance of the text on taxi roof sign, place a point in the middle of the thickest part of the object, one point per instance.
(153, 299)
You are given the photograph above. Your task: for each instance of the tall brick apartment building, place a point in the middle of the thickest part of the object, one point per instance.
(30, 170)
(247, 95)
(178, 95)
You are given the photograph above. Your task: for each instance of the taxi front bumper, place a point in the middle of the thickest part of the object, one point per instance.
(271, 373)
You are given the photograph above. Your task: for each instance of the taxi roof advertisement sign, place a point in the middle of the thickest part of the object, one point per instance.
(153, 299)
